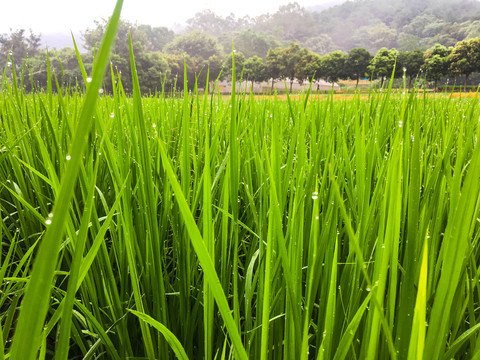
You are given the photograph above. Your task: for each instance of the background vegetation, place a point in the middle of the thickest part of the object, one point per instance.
(354, 40)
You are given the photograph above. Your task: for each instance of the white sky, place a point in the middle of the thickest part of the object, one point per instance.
(63, 16)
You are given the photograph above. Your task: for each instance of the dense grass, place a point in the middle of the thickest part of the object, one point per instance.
(201, 227)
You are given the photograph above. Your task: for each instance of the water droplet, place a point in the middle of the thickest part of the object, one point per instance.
(100, 91)
(89, 79)
(154, 125)
(315, 195)
(400, 123)
(68, 157)
(368, 289)
(112, 115)
(48, 222)
(50, 215)
(9, 64)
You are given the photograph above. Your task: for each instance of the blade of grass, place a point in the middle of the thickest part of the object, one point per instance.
(417, 339)
(203, 256)
(37, 296)
(169, 336)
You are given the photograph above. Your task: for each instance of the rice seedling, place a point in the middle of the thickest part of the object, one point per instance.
(305, 227)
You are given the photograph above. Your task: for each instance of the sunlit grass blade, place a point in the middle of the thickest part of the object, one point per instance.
(417, 339)
(35, 303)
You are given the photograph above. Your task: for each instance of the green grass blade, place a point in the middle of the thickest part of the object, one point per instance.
(203, 256)
(417, 339)
(35, 303)
(455, 245)
(169, 336)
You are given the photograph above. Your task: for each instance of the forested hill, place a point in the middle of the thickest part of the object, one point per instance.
(405, 25)
(371, 24)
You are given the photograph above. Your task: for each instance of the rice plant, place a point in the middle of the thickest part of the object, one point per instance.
(195, 227)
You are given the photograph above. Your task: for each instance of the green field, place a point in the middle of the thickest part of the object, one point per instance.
(202, 227)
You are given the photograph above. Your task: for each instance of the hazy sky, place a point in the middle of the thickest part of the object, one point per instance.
(47, 16)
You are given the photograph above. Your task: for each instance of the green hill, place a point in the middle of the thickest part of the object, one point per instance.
(371, 24)
(406, 25)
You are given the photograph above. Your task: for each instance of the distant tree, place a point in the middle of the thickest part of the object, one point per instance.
(334, 66)
(37, 70)
(465, 58)
(356, 63)
(65, 63)
(120, 56)
(147, 41)
(255, 70)
(411, 63)
(208, 22)
(469, 29)
(121, 69)
(93, 37)
(418, 24)
(19, 43)
(215, 66)
(292, 22)
(252, 43)
(227, 65)
(382, 64)
(309, 67)
(273, 64)
(195, 44)
(436, 63)
(373, 37)
(63, 66)
(321, 44)
(177, 74)
(408, 42)
(152, 71)
(289, 58)
(157, 37)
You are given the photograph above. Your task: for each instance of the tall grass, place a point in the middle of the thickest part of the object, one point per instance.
(199, 227)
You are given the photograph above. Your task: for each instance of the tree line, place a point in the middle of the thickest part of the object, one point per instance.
(161, 58)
